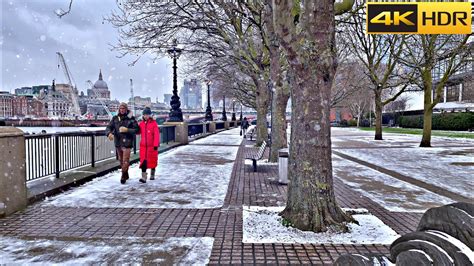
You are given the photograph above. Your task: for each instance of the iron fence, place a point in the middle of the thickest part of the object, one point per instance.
(167, 134)
(52, 154)
(195, 129)
(220, 125)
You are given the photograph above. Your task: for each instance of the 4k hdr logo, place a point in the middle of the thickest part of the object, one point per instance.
(419, 18)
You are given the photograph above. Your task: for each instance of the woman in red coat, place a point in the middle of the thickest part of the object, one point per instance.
(149, 144)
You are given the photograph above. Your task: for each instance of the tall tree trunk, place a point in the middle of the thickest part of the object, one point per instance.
(262, 111)
(311, 203)
(279, 102)
(378, 116)
(279, 136)
(427, 122)
(427, 116)
(281, 93)
(359, 113)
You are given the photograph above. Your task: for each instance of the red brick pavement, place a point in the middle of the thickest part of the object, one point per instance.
(224, 224)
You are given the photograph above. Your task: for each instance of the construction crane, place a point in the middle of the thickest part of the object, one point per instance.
(72, 93)
(91, 87)
(132, 100)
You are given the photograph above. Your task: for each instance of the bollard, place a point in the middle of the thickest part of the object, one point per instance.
(181, 131)
(13, 195)
(212, 127)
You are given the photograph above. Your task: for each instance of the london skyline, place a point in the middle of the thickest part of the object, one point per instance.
(32, 34)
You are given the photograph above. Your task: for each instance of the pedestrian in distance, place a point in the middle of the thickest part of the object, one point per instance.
(122, 130)
(149, 143)
(245, 126)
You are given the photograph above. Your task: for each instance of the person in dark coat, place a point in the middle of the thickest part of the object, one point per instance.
(149, 143)
(245, 126)
(122, 129)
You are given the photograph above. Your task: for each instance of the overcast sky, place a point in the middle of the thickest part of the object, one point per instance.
(32, 34)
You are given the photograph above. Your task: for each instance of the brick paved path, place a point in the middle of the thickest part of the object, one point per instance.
(223, 224)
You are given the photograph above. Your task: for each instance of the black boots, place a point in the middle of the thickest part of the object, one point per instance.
(124, 177)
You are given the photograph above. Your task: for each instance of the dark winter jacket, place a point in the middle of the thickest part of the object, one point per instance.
(123, 140)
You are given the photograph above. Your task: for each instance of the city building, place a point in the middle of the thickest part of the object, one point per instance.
(55, 103)
(141, 102)
(6, 104)
(20, 106)
(100, 90)
(191, 94)
(159, 106)
(167, 98)
(65, 88)
(24, 91)
(35, 107)
(458, 92)
(38, 89)
(113, 106)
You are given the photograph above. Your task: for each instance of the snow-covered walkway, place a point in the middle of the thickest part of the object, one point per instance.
(192, 176)
(449, 166)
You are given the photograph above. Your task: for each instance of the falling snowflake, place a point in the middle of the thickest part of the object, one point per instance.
(43, 38)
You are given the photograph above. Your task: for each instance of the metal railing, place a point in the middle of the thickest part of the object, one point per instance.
(167, 134)
(52, 154)
(195, 129)
(220, 125)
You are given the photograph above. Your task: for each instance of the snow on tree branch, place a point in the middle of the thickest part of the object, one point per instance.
(61, 13)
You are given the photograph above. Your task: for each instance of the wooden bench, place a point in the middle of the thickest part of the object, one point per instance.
(255, 156)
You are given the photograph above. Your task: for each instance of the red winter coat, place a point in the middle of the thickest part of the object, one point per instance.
(150, 139)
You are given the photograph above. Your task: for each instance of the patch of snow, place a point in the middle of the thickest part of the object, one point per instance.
(440, 249)
(341, 137)
(419, 163)
(356, 210)
(228, 137)
(384, 261)
(183, 251)
(264, 225)
(392, 194)
(464, 249)
(190, 176)
(260, 162)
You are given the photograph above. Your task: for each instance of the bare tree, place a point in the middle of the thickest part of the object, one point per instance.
(306, 30)
(350, 78)
(217, 29)
(279, 85)
(380, 56)
(422, 55)
(357, 95)
(359, 104)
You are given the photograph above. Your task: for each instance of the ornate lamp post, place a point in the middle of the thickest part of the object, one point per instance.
(208, 108)
(176, 115)
(241, 116)
(233, 111)
(224, 116)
